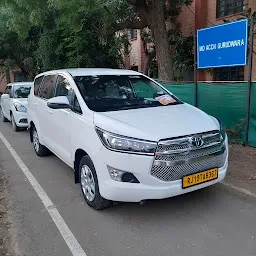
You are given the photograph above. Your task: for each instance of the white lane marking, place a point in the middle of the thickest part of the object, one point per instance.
(242, 190)
(63, 228)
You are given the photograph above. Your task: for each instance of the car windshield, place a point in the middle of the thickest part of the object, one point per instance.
(121, 92)
(21, 91)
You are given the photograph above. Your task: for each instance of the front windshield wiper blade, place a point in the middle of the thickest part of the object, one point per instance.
(136, 107)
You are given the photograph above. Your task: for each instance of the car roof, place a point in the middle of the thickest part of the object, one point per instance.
(93, 71)
(20, 83)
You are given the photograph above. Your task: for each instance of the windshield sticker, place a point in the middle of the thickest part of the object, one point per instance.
(165, 99)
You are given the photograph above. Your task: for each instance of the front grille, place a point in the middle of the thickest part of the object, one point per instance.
(162, 148)
(189, 154)
(23, 120)
(176, 158)
(176, 172)
(183, 143)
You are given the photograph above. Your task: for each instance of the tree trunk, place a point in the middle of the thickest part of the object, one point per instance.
(21, 65)
(149, 58)
(159, 32)
(7, 76)
(23, 71)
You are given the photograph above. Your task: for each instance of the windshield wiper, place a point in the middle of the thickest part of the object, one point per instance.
(136, 107)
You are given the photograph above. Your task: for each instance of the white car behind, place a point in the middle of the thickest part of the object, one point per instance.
(14, 104)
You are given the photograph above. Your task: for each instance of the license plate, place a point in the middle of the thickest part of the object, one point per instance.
(200, 177)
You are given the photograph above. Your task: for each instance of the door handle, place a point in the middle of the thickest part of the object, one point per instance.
(35, 103)
(50, 111)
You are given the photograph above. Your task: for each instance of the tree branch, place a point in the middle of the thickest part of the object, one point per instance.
(139, 21)
(141, 8)
(132, 24)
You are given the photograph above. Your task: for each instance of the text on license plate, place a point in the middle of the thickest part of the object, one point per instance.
(200, 177)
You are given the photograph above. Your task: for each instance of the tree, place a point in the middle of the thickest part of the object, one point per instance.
(14, 51)
(149, 49)
(138, 14)
(181, 48)
(50, 36)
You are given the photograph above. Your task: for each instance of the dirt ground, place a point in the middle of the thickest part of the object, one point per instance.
(242, 167)
(5, 241)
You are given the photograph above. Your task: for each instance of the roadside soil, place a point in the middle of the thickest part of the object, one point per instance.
(5, 236)
(242, 167)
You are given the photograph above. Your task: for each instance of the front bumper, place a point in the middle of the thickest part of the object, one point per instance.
(149, 187)
(21, 119)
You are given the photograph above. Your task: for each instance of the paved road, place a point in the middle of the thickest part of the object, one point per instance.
(216, 221)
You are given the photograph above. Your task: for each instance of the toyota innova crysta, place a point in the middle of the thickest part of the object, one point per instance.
(126, 137)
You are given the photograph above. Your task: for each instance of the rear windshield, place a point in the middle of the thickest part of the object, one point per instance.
(113, 93)
(21, 91)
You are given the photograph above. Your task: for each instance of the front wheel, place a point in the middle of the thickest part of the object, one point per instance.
(4, 119)
(14, 125)
(90, 186)
(40, 149)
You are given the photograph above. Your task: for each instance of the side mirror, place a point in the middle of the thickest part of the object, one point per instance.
(60, 102)
(5, 96)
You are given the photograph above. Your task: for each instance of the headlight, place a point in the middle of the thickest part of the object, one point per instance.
(19, 107)
(222, 130)
(126, 144)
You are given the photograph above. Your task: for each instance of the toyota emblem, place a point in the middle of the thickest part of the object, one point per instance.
(196, 141)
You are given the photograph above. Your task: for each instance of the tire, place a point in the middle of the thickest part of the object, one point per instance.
(39, 149)
(14, 125)
(89, 182)
(4, 119)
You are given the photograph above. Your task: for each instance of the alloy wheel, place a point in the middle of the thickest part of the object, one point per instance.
(36, 140)
(87, 183)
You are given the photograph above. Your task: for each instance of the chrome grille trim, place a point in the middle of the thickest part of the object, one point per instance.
(178, 157)
(179, 145)
(189, 153)
(188, 160)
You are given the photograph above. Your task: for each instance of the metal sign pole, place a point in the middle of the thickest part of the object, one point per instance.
(195, 71)
(250, 59)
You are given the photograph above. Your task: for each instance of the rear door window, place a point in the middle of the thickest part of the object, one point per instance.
(47, 88)
(37, 84)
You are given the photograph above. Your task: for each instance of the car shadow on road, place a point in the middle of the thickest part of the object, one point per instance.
(204, 201)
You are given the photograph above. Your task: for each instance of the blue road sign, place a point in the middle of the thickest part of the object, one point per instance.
(224, 45)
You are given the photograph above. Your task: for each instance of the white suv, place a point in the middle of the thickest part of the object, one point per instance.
(126, 137)
(14, 104)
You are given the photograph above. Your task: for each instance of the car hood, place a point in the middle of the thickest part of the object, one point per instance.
(156, 123)
(22, 101)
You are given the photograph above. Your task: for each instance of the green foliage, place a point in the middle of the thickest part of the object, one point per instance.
(183, 56)
(40, 35)
(175, 8)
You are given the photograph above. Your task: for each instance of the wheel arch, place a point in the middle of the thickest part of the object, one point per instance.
(79, 154)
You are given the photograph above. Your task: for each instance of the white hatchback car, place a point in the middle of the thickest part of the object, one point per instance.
(14, 104)
(126, 137)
